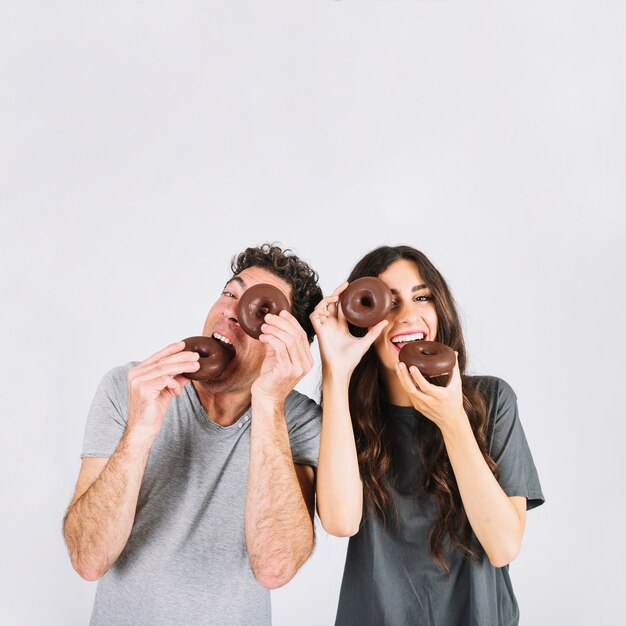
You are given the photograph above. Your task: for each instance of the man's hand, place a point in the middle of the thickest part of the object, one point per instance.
(287, 360)
(100, 517)
(151, 386)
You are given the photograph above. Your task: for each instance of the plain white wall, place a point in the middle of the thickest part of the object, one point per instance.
(144, 143)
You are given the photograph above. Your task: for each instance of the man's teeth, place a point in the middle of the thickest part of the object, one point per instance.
(405, 338)
(222, 339)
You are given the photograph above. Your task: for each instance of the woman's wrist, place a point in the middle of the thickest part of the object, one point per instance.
(457, 429)
(336, 374)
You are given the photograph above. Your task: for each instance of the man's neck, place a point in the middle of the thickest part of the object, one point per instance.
(223, 408)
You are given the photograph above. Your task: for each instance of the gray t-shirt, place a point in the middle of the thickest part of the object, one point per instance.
(390, 577)
(186, 560)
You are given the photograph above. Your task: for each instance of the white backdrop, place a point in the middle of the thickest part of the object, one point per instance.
(142, 144)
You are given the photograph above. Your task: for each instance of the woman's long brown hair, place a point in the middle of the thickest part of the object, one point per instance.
(367, 395)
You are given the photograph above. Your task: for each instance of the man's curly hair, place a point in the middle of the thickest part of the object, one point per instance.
(305, 292)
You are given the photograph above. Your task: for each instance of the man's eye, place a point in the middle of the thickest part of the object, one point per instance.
(228, 294)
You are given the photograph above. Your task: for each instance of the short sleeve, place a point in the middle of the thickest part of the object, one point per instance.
(509, 448)
(304, 423)
(107, 416)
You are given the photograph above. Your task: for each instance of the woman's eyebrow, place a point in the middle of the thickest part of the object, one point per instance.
(416, 288)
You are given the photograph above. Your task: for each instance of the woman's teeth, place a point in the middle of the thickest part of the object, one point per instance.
(407, 338)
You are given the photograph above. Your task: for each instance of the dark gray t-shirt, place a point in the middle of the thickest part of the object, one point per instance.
(186, 560)
(390, 577)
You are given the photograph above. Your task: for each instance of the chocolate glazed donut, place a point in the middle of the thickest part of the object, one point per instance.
(366, 301)
(431, 358)
(214, 357)
(255, 303)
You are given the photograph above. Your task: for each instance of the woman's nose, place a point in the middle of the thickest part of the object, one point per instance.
(407, 313)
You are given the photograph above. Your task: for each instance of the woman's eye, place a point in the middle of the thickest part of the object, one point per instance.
(423, 298)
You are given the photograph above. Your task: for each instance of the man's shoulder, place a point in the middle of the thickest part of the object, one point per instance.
(299, 405)
(118, 376)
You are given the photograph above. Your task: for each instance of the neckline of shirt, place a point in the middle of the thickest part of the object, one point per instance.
(207, 421)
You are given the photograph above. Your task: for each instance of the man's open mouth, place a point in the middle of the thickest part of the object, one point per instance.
(226, 342)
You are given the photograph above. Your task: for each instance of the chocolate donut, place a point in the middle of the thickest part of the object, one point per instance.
(214, 357)
(366, 301)
(255, 303)
(430, 357)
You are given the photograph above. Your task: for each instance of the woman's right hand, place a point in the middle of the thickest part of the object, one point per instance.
(339, 349)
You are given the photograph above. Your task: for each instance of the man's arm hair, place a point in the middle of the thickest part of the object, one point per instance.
(99, 519)
(279, 502)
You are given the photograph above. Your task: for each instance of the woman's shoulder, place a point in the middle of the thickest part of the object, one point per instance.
(492, 387)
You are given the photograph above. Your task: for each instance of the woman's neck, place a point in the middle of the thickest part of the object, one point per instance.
(395, 393)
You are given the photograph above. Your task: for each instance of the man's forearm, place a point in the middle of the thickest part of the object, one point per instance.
(279, 529)
(97, 524)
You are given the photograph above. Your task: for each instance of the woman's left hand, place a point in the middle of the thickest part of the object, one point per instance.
(441, 405)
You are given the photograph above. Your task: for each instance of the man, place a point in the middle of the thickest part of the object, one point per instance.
(194, 499)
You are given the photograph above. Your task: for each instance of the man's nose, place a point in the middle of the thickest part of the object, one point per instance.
(230, 312)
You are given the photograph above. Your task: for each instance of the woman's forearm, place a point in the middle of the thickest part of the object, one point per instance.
(495, 520)
(339, 486)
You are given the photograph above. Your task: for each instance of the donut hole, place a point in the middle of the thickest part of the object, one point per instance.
(367, 302)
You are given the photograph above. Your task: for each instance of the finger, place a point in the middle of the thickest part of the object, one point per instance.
(341, 288)
(276, 331)
(279, 348)
(180, 357)
(173, 348)
(409, 384)
(288, 330)
(291, 325)
(284, 320)
(321, 315)
(420, 380)
(454, 379)
(374, 332)
(322, 305)
(340, 316)
(317, 320)
(173, 385)
(301, 340)
(166, 369)
(154, 386)
(182, 381)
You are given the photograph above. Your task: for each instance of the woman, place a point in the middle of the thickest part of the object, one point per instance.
(432, 483)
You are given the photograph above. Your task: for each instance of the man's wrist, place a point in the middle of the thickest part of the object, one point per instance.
(137, 441)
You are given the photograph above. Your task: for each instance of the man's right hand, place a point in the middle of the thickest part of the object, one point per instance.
(151, 386)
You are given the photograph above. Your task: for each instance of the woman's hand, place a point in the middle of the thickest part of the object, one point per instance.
(340, 351)
(441, 405)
